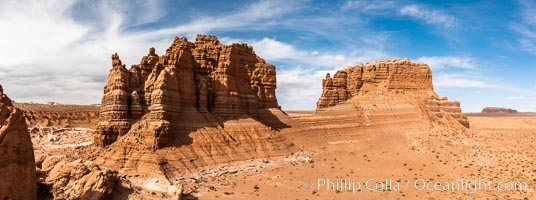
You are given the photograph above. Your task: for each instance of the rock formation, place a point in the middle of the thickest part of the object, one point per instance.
(224, 81)
(46, 115)
(76, 179)
(489, 110)
(17, 165)
(370, 82)
(208, 102)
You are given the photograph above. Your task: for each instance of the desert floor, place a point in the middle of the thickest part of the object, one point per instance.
(499, 148)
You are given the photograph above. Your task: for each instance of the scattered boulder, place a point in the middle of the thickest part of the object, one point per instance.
(78, 179)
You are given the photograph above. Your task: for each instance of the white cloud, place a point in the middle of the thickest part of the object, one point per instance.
(299, 78)
(54, 55)
(299, 87)
(240, 19)
(460, 81)
(449, 62)
(273, 50)
(429, 16)
(50, 54)
(526, 27)
(364, 5)
(533, 98)
(512, 98)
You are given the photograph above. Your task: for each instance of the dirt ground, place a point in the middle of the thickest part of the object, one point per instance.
(497, 148)
(376, 162)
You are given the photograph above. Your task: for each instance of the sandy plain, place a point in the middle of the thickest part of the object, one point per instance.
(394, 160)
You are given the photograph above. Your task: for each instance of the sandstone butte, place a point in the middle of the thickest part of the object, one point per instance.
(395, 86)
(17, 165)
(200, 103)
(498, 110)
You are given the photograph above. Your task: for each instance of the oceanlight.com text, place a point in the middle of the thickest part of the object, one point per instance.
(418, 184)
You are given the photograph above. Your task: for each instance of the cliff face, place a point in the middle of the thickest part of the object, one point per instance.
(211, 102)
(224, 81)
(396, 79)
(17, 164)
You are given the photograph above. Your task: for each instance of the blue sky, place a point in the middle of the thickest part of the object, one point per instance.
(482, 53)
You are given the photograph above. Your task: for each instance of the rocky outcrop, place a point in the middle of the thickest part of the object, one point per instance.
(442, 107)
(199, 104)
(224, 81)
(17, 165)
(77, 179)
(384, 79)
(60, 116)
(489, 110)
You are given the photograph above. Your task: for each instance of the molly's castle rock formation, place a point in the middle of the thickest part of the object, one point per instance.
(224, 81)
(201, 103)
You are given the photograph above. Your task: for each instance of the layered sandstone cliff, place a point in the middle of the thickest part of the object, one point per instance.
(223, 81)
(201, 103)
(370, 86)
(17, 165)
(47, 115)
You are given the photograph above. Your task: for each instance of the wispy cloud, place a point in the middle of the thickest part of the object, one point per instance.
(461, 81)
(429, 16)
(526, 27)
(464, 62)
(512, 98)
(67, 61)
(368, 5)
(247, 17)
(300, 74)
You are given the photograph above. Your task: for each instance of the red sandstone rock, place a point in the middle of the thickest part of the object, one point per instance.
(80, 180)
(17, 165)
(387, 79)
(224, 81)
(199, 104)
(498, 110)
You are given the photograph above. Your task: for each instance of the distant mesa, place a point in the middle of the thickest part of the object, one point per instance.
(490, 110)
(60, 116)
(386, 86)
